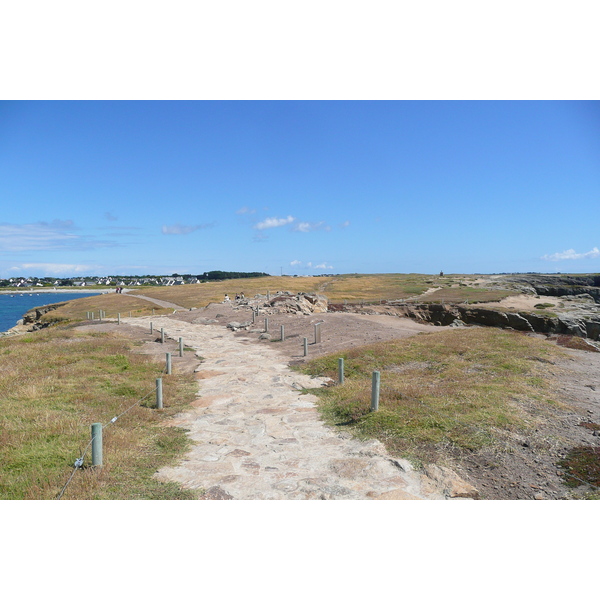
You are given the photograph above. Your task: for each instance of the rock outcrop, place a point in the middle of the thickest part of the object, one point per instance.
(288, 302)
(33, 318)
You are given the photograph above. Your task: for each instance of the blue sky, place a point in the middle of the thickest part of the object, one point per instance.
(299, 187)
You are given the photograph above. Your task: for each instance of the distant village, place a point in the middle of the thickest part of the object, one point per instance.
(31, 282)
(124, 281)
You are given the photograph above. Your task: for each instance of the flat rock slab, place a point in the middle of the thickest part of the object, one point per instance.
(257, 436)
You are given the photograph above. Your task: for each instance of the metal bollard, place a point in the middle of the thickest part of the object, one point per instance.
(341, 370)
(317, 333)
(96, 444)
(282, 333)
(162, 335)
(118, 318)
(159, 395)
(151, 327)
(180, 347)
(375, 391)
(305, 346)
(266, 325)
(168, 363)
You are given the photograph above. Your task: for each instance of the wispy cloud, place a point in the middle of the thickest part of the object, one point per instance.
(184, 229)
(245, 210)
(56, 235)
(110, 217)
(345, 224)
(305, 227)
(51, 268)
(309, 265)
(271, 222)
(572, 255)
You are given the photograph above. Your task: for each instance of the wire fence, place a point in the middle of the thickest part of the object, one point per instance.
(78, 464)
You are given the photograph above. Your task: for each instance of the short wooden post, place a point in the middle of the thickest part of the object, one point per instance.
(305, 346)
(151, 329)
(268, 296)
(96, 444)
(159, 395)
(168, 363)
(253, 316)
(282, 333)
(152, 311)
(130, 313)
(317, 333)
(100, 316)
(180, 347)
(375, 391)
(266, 325)
(341, 370)
(118, 318)
(162, 335)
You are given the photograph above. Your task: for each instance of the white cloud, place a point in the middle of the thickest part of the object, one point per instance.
(184, 229)
(274, 222)
(36, 236)
(572, 255)
(245, 211)
(295, 263)
(323, 266)
(51, 268)
(345, 224)
(305, 227)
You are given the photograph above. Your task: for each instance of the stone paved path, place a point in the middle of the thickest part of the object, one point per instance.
(256, 436)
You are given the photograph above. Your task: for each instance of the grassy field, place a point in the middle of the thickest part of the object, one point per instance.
(111, 304)
(338, 289)
(457, 295)
(456, 389)
(54, 384)
(349, 288)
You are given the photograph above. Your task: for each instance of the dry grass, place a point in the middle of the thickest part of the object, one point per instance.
(461, 389)
(342, 288)
(456, 295)
(201, 294)
(111, 304)
(54, 384)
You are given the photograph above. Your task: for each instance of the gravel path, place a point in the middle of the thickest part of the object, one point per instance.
(257, 436)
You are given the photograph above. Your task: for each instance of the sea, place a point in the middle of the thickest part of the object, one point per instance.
(14, 306)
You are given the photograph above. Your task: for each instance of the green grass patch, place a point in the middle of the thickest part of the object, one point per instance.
(457, 295)
(54, 384)
(456, 389)
(581, 466)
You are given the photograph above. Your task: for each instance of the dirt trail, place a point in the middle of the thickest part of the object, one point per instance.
(257, 436)
(162, 303)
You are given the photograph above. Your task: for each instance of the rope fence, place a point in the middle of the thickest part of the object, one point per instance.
(95, 442)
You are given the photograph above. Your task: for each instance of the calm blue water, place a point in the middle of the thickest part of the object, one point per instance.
(13, 307)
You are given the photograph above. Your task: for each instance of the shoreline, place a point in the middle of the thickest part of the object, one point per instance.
(30, 291)
(19, 328)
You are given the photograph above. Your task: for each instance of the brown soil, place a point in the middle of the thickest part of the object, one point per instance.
(525, 468)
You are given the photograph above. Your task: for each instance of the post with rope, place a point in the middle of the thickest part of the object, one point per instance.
(375, 391)
(159, 394)
(96, 444)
